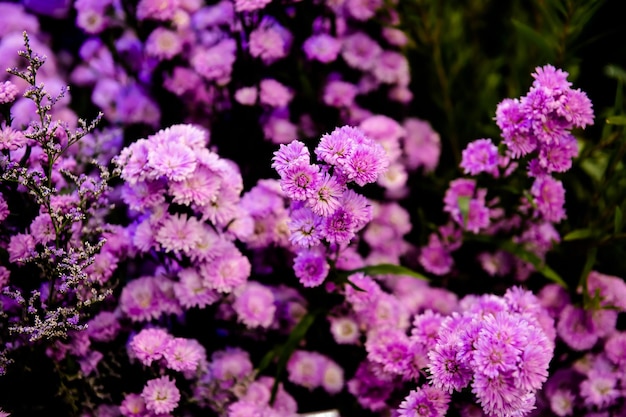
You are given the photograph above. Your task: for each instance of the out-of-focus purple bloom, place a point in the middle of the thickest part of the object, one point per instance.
(480, 156)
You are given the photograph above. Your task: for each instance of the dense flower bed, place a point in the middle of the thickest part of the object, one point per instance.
(255, 218)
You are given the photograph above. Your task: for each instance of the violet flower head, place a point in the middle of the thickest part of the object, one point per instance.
(250, 5)
(162, 10)
(254, 305)
(8, 92)
(270, 42)
(322, 47)
(150, 344)
(161, 395)
(289, 154)
(549, 195)
(425, 401)
(480, 156)
(311, 267)
(183, 354)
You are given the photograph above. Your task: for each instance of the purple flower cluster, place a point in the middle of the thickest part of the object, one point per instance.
(501, 346)
(324, 208)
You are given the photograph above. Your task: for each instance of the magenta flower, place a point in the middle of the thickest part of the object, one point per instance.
(293, 153)
(322, 47)
(299, 180)
(161, 395)
(254, 305)
(480, 156)
(8, 92)
(150, 345)
(183, 354)
(311, 268)
(325, 197)
(304, 226)
(549, 197)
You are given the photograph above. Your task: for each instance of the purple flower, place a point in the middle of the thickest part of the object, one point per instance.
(150, 344)
(576, 328)
(360, 51)
(325, 197)
(480, 156)
(549, 196)
(426, 328)
(299, 180)
(274, 94)
(334, 148)
(365, 163)
(322, 47)
(389, 348)
(270, 42)
(11, 139)
(447, 372)
(392, 68)
(254, 305)
(339, 227)
(191, 292)
(435, 257)
(173, 160)
(163, 44)
(226, 272)
(339, 94)
(311, 267)
(215, 63)
(161, 395)
(515, 126)
(600, 389)
(8, 92)
(422, 145)
(179, 233)
(103, 327)
(557, 156)
(306, 368)
(345, 330)
(250, 5)
(183, 354)
(293, 153)
(426, 401)
(305, 229)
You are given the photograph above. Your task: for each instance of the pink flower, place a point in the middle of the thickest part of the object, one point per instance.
(150, 344)
(254, 305)
(274, 94)
(183, 354)
(161, 395)
(322, 47)
(163, 44)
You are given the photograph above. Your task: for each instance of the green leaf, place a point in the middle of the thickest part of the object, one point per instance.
(617, 220)
(578, 234)
(534, 37)
(463, 202)
(285, 352)
(615, 72)
(383, 269)
(619, 120)
(533, 259)
(582, 282)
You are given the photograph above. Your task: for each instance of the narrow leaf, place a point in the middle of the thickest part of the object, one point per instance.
(533, 36)
(383, 269)
(464, 207)
(615, 72)
(297, 334)
(533, 259)
(578, 234)
(619, 120)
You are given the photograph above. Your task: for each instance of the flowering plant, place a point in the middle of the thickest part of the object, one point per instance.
(260, 220)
